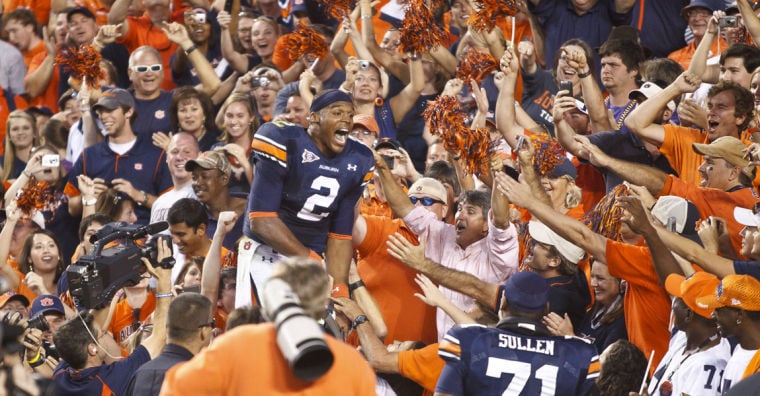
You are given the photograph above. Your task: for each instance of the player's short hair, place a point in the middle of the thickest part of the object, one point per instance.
(446, 174)
(309, 281)
(744, 101)
(188, 312)
(479, 198)
(189, 211)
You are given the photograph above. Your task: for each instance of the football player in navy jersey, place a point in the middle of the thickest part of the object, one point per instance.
(305, 186)
(518, 357)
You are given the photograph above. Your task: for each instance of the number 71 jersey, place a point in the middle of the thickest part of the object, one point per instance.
(311, 193)
(490, 361)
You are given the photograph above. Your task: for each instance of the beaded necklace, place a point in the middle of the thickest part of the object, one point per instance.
(628, 108)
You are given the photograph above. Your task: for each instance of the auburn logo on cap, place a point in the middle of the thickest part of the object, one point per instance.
(419, 188)
(46, 302)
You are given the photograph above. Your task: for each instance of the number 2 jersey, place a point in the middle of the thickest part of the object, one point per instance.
(515, 359)
(314, 195)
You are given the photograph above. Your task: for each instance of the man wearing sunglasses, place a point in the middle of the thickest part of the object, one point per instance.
(482, 241)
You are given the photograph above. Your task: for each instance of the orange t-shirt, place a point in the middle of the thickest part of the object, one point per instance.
(40, 8)
(714, 202)
(683, 56)
(676, 147)
(29, 55)
(123, 317)
(422, 366)
(97, 8)
(247, 358)
(391, 284)
(49, 96)
(647, 305)
(142, 32)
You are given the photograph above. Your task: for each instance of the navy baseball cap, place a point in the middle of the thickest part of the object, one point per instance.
(565, 168)
(527, 291)
(388, 143)
(46, 303)
(114, 98)
(711, 5)
(329, 97)
(79, 10)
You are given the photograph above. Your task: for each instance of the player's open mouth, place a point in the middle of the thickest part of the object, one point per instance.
(341, 135)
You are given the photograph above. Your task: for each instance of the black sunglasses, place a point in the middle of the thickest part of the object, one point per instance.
(211, 324)
(425, 201)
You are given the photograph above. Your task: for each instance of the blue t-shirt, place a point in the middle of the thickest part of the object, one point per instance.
(100, 380)
(153, 114)
(311, 193)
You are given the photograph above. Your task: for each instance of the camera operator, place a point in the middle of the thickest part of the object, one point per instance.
(46, 316)
(251, 357)
(16, 377)
(82, 370)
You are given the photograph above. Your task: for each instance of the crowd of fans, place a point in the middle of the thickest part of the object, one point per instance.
(602, 235)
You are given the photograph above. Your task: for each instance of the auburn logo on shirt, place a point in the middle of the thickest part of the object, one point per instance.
(159, 114)
(308, 156)
(138, 166)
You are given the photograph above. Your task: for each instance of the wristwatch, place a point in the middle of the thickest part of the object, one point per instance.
(359, 320)
(89, 201)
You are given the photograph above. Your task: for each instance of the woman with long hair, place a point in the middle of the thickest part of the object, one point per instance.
(20, 137)
(238, 123)
(41, 264)
(192, 112)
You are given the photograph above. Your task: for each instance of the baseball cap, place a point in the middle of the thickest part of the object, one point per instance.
(712, 5)
(210, 160)
(368, 122)
(429, 186)
(114, 98)
(689, 289)
(649, 89)
(565, 168)
(11, 296)
(684, 211)
(545, 235)
(79, 10)
(387, 143)
(730, 149)
(746, 217)
(581, 106)
(46, 303)
(527, 291)
(299, 6)
(733, 291)
(328, 97)
(41, 110)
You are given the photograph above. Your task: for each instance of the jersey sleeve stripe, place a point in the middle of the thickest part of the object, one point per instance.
(449, 350)
(339, 236)
(269, 150)
(254, 215)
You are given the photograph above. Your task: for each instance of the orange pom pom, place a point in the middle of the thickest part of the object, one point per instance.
(82, 61)
(475, 65)
(418, 31)
(304, 40)
(491, 11)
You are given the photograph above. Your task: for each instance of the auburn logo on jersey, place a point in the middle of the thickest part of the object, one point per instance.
(307, 156)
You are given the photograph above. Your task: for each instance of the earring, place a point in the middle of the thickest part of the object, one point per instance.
(738, 322)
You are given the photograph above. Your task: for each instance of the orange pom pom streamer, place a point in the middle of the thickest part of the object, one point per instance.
(35, 196)
(304, 40)
(490, 12)
(82, 61)
(549, 153)
(604, 218)
(338, 9)
(445, 119)
(475, 65)
(418, 31)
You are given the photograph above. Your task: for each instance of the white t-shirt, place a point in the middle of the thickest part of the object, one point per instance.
(736, 366)
(695, 374)
(160, 211)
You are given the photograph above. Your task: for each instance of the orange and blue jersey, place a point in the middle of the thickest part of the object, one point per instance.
(313, 194)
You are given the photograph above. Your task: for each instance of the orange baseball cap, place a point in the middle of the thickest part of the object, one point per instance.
(8, 296)
(699, 284)
(734, 291)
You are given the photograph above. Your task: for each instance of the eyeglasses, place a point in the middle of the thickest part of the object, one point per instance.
(211, 324)
(142, 69)
(425, 201)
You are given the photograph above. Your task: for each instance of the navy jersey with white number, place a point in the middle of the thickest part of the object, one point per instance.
(491, 361)
(312, 194)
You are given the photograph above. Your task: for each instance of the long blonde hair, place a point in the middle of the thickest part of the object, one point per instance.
(237, 98)
(10, 149)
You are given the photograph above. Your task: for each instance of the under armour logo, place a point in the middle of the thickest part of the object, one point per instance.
(351, 167)
(270, 259)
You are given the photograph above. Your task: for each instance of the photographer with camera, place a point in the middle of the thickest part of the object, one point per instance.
(82, 370)
(230, 367)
